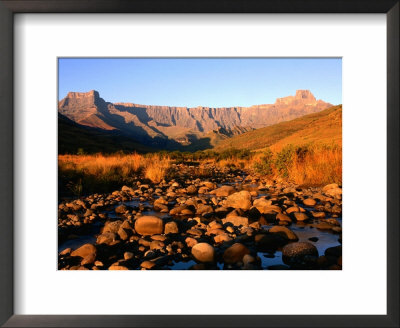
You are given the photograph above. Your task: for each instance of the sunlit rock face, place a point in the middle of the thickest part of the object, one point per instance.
(183, 124)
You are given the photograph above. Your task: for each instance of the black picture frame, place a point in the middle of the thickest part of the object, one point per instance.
(10, 7)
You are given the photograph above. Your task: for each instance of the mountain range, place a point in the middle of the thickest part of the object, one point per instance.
(181, 128)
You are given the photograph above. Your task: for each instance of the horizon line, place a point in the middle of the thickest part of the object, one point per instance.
(189, 107)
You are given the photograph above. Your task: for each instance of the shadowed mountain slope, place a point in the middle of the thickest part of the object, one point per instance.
(73, 137)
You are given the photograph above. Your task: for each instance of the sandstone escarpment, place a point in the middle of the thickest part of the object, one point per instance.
(183, 124)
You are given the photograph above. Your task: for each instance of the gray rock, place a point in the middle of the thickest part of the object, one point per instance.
(300, 255)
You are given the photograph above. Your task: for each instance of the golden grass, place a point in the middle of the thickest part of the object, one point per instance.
(225, 163)
(156, 168)
(318, 166)
(153, 167)
(100, 165)
(309, 165)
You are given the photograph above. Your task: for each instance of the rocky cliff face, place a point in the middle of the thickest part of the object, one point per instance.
(182, 124)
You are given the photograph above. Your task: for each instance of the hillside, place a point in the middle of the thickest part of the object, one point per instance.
(173, 127)
(324, 127)
(72, 137)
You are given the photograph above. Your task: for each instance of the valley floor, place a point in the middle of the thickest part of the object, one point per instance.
(229, 218)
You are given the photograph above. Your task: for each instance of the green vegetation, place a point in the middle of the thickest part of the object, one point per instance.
(304, 165)
(278, 164)
(284, 160)
(265, 164)
(181, 157)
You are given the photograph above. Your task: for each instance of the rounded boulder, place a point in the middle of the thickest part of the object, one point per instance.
(235, 253)
(203, 252)
(149, 225)
(300, 255)
(283, 231)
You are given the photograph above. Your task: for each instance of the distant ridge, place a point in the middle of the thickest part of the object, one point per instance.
(172, 127)
(324, 127)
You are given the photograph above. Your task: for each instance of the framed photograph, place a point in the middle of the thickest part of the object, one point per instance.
(217, 164)
(179, 187)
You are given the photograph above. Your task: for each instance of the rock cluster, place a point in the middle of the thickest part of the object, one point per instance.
(228, 222)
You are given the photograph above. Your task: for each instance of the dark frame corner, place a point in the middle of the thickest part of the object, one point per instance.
(7, 10)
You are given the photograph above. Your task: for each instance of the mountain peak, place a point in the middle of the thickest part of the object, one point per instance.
(304, 94)
(90, 94)
(302, 97)
(80, 106)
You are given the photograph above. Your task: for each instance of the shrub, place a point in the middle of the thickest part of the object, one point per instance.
(80, 151)
(265, 163)
(75, 187)
(284, 160)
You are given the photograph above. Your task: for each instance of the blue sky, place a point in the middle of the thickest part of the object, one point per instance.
(213, 82)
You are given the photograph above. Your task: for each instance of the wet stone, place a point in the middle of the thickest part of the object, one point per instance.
(300, 255)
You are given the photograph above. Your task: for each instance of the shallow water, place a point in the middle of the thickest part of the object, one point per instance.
(77, 242)
(89, 238)
(96, 227)
(135, 203)
(268, 261)
(325, 240)
(182, 265)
